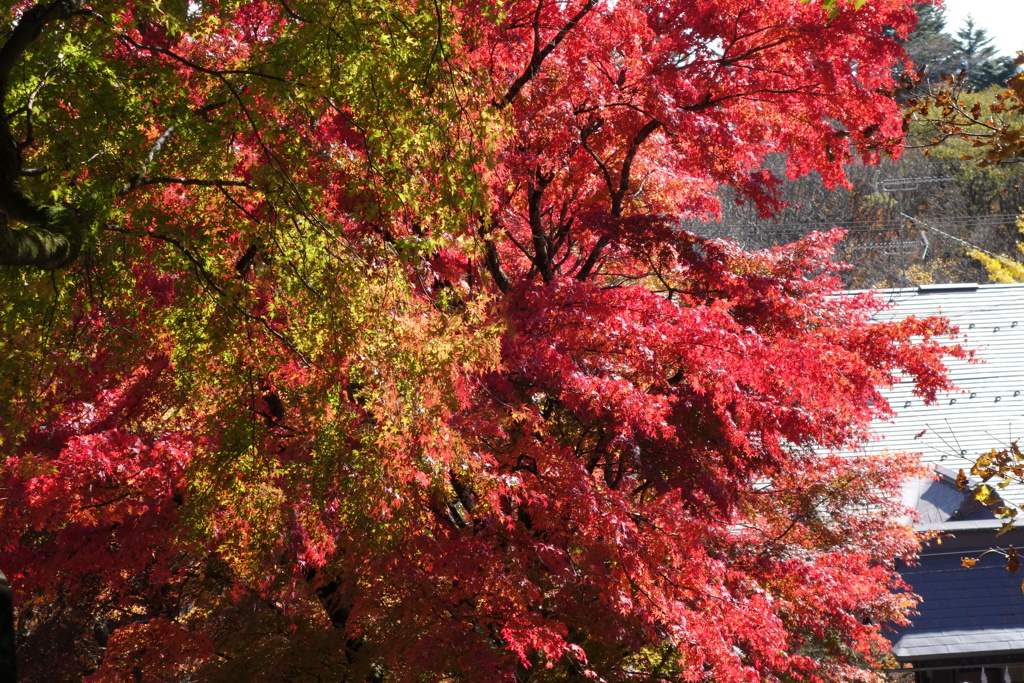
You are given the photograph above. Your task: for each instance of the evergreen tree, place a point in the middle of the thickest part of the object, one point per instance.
(993, 72)
(929, 47)
(939, 54)
(974, 44)
(979, 57)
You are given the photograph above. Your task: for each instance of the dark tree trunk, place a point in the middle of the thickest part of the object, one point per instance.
(8, 660)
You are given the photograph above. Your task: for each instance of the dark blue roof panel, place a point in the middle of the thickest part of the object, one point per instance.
(964, 611)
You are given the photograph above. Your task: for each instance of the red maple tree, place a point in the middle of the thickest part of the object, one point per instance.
(361, 343)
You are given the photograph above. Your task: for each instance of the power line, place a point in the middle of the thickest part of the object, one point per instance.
(948, 236)
(856, 227)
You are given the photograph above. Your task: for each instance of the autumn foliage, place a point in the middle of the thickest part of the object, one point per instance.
(362, 344)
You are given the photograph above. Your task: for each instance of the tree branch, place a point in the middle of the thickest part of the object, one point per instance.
(494, 268)
(227, 302)
(138, 181)
(618, 195)
(592, 127)
(541, 257)
(156, 49)
(595, 253)
(627, 164)
(540, 55)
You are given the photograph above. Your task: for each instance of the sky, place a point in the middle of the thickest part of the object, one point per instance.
(1003, 19)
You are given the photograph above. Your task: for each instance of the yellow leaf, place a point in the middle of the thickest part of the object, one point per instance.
(984, 494)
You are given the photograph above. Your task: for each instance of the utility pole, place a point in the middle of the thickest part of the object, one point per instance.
(896, 187)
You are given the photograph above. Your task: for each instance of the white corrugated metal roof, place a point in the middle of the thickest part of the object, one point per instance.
(989, 412)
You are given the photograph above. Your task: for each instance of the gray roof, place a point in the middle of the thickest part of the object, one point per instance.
(939, 502)
(989, 412)
(965, 613)
(949, 644)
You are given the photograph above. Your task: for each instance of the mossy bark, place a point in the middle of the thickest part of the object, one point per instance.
(53, 235)
(49, 244)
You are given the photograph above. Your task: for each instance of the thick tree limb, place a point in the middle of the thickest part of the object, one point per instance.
(53, 236)
(595, 253)
(541, 258)
(29, 27)
(494, 267)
